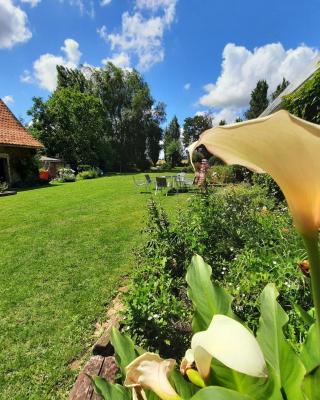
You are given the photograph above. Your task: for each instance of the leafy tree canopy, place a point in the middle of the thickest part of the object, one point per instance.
(194, 126)
(109, 108)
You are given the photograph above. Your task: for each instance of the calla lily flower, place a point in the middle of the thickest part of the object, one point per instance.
(230, 343)
(150, 371)
(284, 146)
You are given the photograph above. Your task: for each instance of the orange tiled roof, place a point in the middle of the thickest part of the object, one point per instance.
(12, 132)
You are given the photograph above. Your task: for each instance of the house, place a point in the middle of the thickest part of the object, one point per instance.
(17, 150)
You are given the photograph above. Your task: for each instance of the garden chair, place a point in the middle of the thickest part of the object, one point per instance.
(140, 184)
(149, 180)
(162, 183)
(183, 181)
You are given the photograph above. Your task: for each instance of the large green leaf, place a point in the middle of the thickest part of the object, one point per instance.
(110, 391)
(310, 351)
(124, 349)
(219, 393)
(287, 367)
(305, 316)
(208, 299)
(311, 384)
(258, 388)
(184, 388)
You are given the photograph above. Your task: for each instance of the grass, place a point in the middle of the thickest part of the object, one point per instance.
(64, 251)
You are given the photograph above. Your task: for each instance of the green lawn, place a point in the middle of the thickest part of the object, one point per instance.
(64, 252)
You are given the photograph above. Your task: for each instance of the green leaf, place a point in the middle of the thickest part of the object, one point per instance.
(310, 351)
(278, 353)
(311, 384)
(257, 388)
(124, 349)
(184, 388)
(219, 393)
(110, 391)
(208, 299)
(304, 315)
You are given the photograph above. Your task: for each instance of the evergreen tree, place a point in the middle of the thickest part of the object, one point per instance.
(238, 119)
(171, 142)
(173, 129)
(259, 100)
(280, 88)
(222, 122)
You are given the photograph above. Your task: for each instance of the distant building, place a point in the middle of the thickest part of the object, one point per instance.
(307, 73)
(17, 149)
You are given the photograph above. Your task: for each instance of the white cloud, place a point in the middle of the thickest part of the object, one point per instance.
(13, 25)
(105, 2)
(228, 114)
(44, 68)
(121, 60)
(8, 99)
(142, 36)
(187, 86)
(32, 3)
(242, 68)
(26, 76)
(102, 32)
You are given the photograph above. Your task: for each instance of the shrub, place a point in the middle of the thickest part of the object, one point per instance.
(84, 167)
(90, 173)
(66, 175)
(245, 234)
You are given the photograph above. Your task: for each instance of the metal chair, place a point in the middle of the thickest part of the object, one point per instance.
(183, 181)
(149, 180)
(140, 184)
(162, 183)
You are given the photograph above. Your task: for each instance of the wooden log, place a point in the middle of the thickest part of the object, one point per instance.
(97, 365)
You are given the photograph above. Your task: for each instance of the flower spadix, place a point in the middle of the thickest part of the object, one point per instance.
(150, 371)
(284, 146)
(230, 343)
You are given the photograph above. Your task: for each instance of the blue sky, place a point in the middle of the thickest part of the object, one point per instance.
(197, 55)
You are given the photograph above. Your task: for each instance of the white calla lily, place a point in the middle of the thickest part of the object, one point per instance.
(150, 371)
(284, 146)
(230, 343)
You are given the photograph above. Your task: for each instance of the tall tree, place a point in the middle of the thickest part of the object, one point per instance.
(259, 100)
(155, 132)
(130, 108)
(109, 109)
(69, 77)
(280, 88)
(171, 142)
(194, 126)
(71, 125)
(222, 122)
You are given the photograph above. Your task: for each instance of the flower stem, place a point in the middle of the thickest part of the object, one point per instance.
(312, 246)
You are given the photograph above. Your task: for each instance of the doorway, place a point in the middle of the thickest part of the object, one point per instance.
(4, 170)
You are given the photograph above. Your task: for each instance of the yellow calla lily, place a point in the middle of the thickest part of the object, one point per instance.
(150, 371)
(230, 343)
(284, 146)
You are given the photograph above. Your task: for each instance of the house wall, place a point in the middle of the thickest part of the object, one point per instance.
(22, 169)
